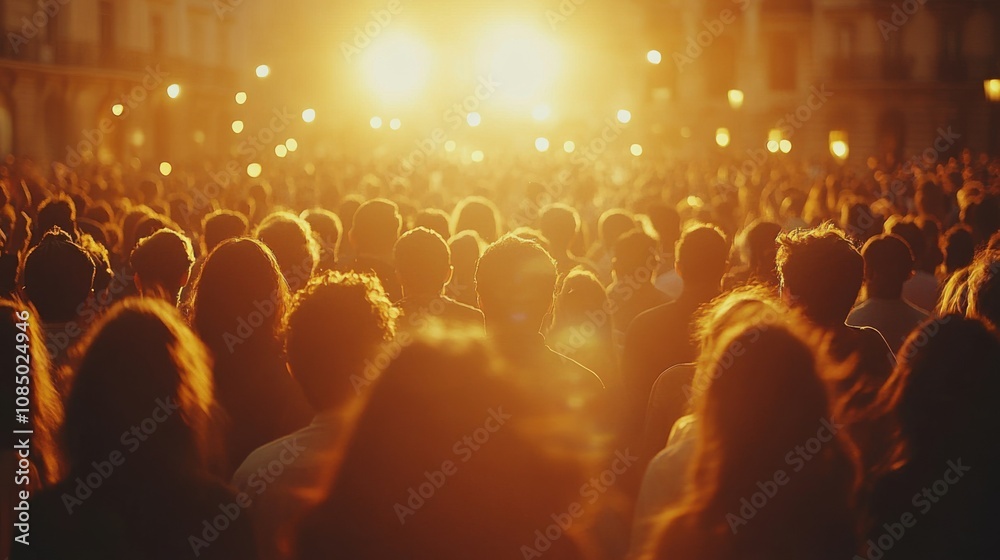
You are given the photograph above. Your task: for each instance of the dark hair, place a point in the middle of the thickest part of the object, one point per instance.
(434, 219)
(58, 275)
(515, 280)
(423, 261)
(613, 224)
(57, 211)
(290, 239)
(823, 272)
(634, 251)
(162, 262)
(328, 230)
(666, 220)
(559, 223)
(220, 226)
(376, 226)
(959, 248)
(477, 214)
(888, 264)
(701, 256)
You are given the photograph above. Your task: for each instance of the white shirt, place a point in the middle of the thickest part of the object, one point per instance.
(894, 319)
(922, 290)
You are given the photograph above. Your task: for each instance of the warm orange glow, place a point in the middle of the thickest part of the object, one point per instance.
(541, 112)
(541, 144)
(992, 88)
(263, 71)
(254, 170)
(735, 98)
(173, 91)
(237, 126)
(624, 116)
(117, 109)
(654, 57)
(309, 115)
(241, 97)
(165, 168)
(376, 122)
(722, 137)
(396, 66)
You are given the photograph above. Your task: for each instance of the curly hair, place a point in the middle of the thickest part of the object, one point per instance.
(822, 270)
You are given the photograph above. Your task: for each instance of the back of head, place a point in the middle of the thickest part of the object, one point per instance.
(762, 244)
(580, 296)
(479, 215)
(290, 239)
(559, 224)
(162, 262)
(821, 271)
(334, 324)
(435, 220)
(57, 211)
(911, 233)
(220, 226)
(613, 224)
(327, 228)
(666, 220)
(701, 257)
(423, 262)
(240, 279)
(888, 264)
(376, 227)
(959, 248)
(636, 255)
(58, 276)
(515, 280)
(984, 287)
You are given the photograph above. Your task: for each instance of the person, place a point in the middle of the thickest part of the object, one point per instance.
(661, 337)
(760, 250)
(423, 266)
(959, 249)
(434, 219)
(291, 240)
(139, 419)
(326, 226)
(216, 227)
(478, 214)
(466, 247)
(922, 288)
(239, 301)
(666, 221)
(984, 287)
(634, 267)
(612, 224)
(748, 425)
(888, 264)
(373, 234)
(407, 488)
(57, 211)
(161, 264)
(942, 397)
(335, 326)
(560, 224)
(515, 281)
(581, 328)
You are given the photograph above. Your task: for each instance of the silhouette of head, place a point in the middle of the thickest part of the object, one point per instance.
(479, 215)
(888, 264)
(58, 275)
(636, 257)
(700, 258)
(57, 211)
(290, 239)
(666, 220)
(435, 220)
(162, 263)
(221, 225)
(326, 226)
(821, 273)
(762, 247)
(515, 280)
(423, 262)
(559, 224)
(376, 228)
(613, 224)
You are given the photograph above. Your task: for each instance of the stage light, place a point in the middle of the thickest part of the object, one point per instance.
(722, 137)
(291, 144)
(376, 122)
(569, 146)
(773, 146)
(280, 150)
(241, 97)
(735, 98)
(838, 144)
(992, 89)
(477, 156)
(541, 112)
(165, 168)
(654, 56)
(396, 67)
(449, 146)
(263, 70)
(785, 146)
(395, 124)
(473, 119)
(309, 115)
(541, 144)
(173, 90)
(253, 170)
(522, 59)
(624, 116)
(636, 150)
(237, 126)
(117, 109)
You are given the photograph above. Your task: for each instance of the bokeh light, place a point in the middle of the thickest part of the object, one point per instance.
(237, 126)
(165, 168)
(376, 122)
(473, 119)
(569, 146)
(477, 156)
(292, 144)
(735, 97)
(636, 149)
(541, 144)
(449, 146)
(654, 56)
(309, 115)
(722, 137)
(263, 71)
(395, 124)
(773, 146)
(785, 146)
(117, 109)
(253, 170)
(173, 90)
(241, 97)
(280, 150)
(624, 115)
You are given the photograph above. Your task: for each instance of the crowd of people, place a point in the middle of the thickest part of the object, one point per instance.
(518, 359)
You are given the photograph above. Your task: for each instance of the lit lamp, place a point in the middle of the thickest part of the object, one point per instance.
(838, 144)
(722, 137)
(735, 98)
(992, 89)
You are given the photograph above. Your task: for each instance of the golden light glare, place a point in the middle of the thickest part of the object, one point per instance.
(173, 90)
(636, 150)
(449, 146)
(722, 137)
(395, 124)
(237, 126)
(773, 146)
(735, 97)
(473, 119)
(624, 115)
(541, 112)
(785, 146)
(569, 146)
(541, 144)
(477, 156)
(117, 109)
(241, 97)
(522, 58)
(254, 169)
(654, 56)
(165, 168)
(280, 150)
(838, 144)
(376, 122)
(263, 71)
(291, 144)
(992, 89)
(396, 66)
(309, 115)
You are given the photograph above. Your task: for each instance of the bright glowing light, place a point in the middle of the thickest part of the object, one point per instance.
(376, 122)
(291, 144)
(280, 150)
(473, 119)
(477, 156)
(992, 89)
(654, 56)
(695, 202)
(636, 150)
(117, 109)
(624, 116)
(241, 97)
(237, 126)
(165, 168)
(773, 146)
(522, 59)
(309, 115)
(395, 124)
(569, 146)
(449, 146)
(774, 134)
(263, 70)
(722, 137)
(785, 146)
(199, 137)
(254, 169)
(735, 98)
(396, 66)
(541, 144)
(541, 112)
(173, 90)
(839, 149)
